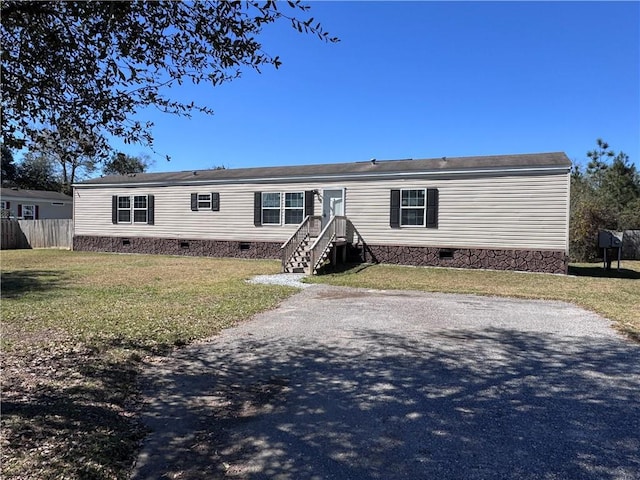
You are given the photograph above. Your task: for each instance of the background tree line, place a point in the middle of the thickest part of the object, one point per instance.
(605, 195)
(55, 166)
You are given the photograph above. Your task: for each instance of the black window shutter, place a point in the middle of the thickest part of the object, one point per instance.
(394, 214)
(432, 208)
(194, 202)
(215, 201)
(150, 210)
(257, 208)
(308, 202)
(114, 209)
(36, 214)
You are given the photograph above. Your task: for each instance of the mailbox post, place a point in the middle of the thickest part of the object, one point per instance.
(608, 239)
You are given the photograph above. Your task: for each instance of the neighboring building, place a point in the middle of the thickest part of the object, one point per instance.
(507, 212)
(34, 204)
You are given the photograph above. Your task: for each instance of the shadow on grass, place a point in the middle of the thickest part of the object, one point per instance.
(344, 268)
(600, 272)
(72, 426)
(17, 283)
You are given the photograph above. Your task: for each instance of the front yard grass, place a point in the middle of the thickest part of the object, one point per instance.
(615, 295)
(75, 327)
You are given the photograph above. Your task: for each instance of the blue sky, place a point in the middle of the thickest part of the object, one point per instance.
(422, 80)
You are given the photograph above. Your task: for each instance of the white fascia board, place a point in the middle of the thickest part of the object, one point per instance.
(12, 198)
(334, 177)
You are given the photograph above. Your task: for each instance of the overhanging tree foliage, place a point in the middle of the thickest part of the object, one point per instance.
(90, 66)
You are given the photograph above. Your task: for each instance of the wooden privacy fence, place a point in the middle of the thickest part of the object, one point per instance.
(50, 233)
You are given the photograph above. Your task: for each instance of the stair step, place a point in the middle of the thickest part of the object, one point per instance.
(295, 270)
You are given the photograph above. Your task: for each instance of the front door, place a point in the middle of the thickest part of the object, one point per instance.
(332, 205)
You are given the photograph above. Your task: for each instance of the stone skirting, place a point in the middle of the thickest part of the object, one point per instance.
(546, 261)
(173, 246)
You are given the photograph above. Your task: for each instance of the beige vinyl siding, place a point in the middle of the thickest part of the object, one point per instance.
(494, 212)
(514, 211)
(173, 217)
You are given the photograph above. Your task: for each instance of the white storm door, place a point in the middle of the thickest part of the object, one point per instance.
(332, 205)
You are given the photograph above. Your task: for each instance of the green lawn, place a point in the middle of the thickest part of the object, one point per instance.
(615, 295)
(75, 327)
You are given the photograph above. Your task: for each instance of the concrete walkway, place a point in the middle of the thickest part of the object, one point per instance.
(356, 384)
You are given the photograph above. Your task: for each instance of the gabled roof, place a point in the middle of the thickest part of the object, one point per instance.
(353, 171)
(42, 195)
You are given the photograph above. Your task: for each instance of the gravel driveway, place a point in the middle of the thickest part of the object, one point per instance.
(357, 384)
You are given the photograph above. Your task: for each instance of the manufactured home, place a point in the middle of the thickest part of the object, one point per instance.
(507, 212)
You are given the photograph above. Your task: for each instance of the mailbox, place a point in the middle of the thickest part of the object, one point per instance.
(609, 239)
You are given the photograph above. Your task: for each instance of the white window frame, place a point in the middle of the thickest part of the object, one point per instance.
(204, 201)
(144, 209)
(293, 208)
(3, 205)
(124, 209)
(263, 208)
(414, 207)
(31, 207)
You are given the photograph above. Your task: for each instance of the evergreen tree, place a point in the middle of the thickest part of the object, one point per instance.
(604, 196)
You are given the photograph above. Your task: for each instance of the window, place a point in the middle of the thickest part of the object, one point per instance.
(268, 207)
(205, 201)
(416, 207)
(271, 208)
(412, 207)
(140, 209)
(124, 209)
(28, 212)
(4, 209)
(132, 209)
(293, 207)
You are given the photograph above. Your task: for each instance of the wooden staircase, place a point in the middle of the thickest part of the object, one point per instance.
(309, 249)
(301, 257)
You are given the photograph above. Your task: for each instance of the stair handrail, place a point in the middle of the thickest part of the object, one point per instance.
(289, 247)
(322, 242)
(351, 231)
